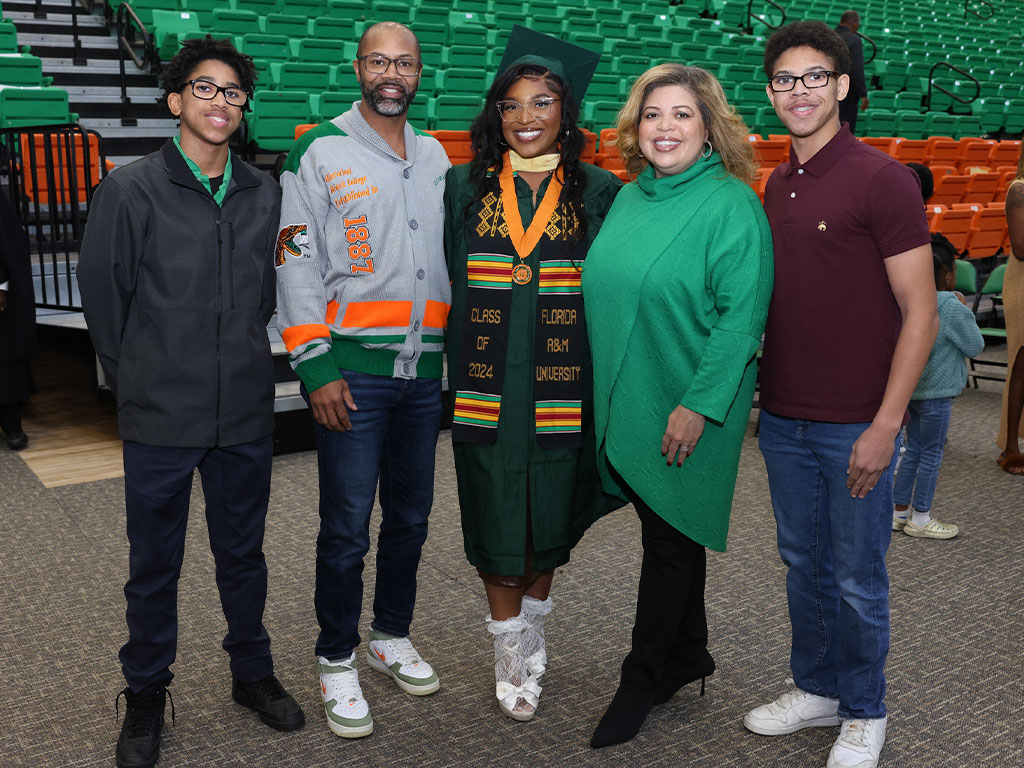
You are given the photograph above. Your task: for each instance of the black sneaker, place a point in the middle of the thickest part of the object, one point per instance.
(138, 746)
(271, 701)
(16, 440)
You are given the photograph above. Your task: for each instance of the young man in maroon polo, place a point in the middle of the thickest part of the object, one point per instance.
(850, 327)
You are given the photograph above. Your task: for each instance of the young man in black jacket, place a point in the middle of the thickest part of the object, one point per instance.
(177, 279)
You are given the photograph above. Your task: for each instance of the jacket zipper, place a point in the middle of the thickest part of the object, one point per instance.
(216, 438)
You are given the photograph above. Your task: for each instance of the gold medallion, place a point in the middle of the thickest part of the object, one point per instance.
(521, 274)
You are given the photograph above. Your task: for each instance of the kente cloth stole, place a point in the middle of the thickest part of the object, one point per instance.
(560, 335)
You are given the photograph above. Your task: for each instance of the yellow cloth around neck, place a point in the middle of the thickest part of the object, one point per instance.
(534, 164)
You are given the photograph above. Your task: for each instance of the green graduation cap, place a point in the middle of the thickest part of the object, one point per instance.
(575, 65)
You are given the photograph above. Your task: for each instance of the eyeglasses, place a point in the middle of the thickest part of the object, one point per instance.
(207, 91)
(816, 79)
(378, 65)
(512, 111)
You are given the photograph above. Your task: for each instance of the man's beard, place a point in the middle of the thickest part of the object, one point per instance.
(384, 105)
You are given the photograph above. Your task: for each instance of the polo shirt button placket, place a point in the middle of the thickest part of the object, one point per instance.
(405, 173)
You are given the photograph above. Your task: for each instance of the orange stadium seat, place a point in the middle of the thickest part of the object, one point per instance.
(911, 150)
(1006, 152)
(771, 152)
(949, 188)
(608, 156)
(942, 150)
(589, 147)
(1005, 177)
(974, 153)
(955, 225)
(885, 143)
(62, 155)
(981, 188)
(988, 230)
(942, 170)
(760, 181)
(301, 129)
(457, 145)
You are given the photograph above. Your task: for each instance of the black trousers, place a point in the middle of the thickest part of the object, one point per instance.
(670, 634)
(157, 485)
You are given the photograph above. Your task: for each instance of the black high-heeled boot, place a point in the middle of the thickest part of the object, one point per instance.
(623, 718)
(675, 678)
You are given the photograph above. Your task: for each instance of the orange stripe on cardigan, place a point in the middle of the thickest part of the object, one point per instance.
(300, 334)
(377, 314)
(436, 314)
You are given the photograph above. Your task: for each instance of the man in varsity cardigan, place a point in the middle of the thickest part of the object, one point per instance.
(363, 298)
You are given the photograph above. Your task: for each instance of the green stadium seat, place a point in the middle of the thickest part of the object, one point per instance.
(1014, 116)
(272, 47)
(287, 24)
(432, 34)
(724, 54)
(689, 52)
(614, 48)
(419, 111)
(707, 36)
(750, 93)
(908, 101)
(34, 106)
(753, 54)
(604, 88)
(588, 40)
(310, 49)
(354, 10)
(304, 75)
(463, 56)
(877, 122)
(259, 7)
(630, 66)
(601, 114)
(967, 125)
(892, 75)
(882, 100)
(507, 6)
(274, 117)
(472, 6)
(991, 114)
(608, 13)
(505, 20)
(648, 29)
(549, 25)
(462, 81)
(169, 27)
(740, 73)
(657, 48)
(9, 38)
(767, 122)
(453, 112)
(388, 10)
(333, 103)
(617, 30)
(206, 7)
(463, 30)
(22, 70)
(939, 124)
(264, 73)
(230, 22)
(430, 14)
(144, 9)
(310, 9)
(910, 124)
(333, 28)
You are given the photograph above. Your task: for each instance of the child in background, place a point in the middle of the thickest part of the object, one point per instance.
(930, 406)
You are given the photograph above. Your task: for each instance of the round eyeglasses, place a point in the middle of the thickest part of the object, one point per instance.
(378, 65)
(512, 111)
(207, 91)
(816, 79)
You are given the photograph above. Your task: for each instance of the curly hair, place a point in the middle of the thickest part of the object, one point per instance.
(726, 130)
(195, 52)
(944, 254)
(489, 144)
(813, 34)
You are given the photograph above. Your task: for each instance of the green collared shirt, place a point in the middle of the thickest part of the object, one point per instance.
(203, 179)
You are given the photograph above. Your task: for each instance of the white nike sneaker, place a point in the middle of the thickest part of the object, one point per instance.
(395, 656)
(859, 744)
(792, 712)
(348, 714)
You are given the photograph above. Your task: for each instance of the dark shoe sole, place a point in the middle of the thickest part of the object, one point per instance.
(278, 724)
(148, 764)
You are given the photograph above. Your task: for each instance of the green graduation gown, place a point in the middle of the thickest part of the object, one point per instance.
(497, 481)
(677, 286)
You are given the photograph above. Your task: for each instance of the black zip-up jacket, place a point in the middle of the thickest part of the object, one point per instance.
(177, 293)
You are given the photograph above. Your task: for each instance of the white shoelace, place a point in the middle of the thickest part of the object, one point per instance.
(342, 686)
(855, 733)
(402, 646)
(788, 700)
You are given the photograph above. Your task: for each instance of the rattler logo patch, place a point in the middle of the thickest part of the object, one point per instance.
(289, 243)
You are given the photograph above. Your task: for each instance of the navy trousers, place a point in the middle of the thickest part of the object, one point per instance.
(157, 484)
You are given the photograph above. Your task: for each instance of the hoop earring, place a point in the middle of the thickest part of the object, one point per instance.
(707, 152)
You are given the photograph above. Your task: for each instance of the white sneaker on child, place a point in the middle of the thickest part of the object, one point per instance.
(859, 744)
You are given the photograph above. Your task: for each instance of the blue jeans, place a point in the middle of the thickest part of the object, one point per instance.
(834, 547)
(393, 439)
(926, 441)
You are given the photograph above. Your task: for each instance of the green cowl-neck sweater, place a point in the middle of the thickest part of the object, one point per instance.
(676, 288)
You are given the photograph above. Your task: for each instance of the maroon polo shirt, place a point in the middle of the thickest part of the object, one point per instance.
(833, 321)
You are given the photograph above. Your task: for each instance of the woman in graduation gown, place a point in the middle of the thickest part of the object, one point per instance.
(677, 287)
(519, 221)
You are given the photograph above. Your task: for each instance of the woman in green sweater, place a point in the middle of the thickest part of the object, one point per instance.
(677, 287)
(518, 222)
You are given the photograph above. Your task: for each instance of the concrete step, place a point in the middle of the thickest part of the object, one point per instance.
(94, 43)
(54, 20)
(112, 92)
(111, 128)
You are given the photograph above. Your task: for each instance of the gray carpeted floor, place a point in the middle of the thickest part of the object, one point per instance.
(955, 669)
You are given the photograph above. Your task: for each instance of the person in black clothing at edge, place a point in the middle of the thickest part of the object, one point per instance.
(17, 325)
(857, 98)
(177, 278)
